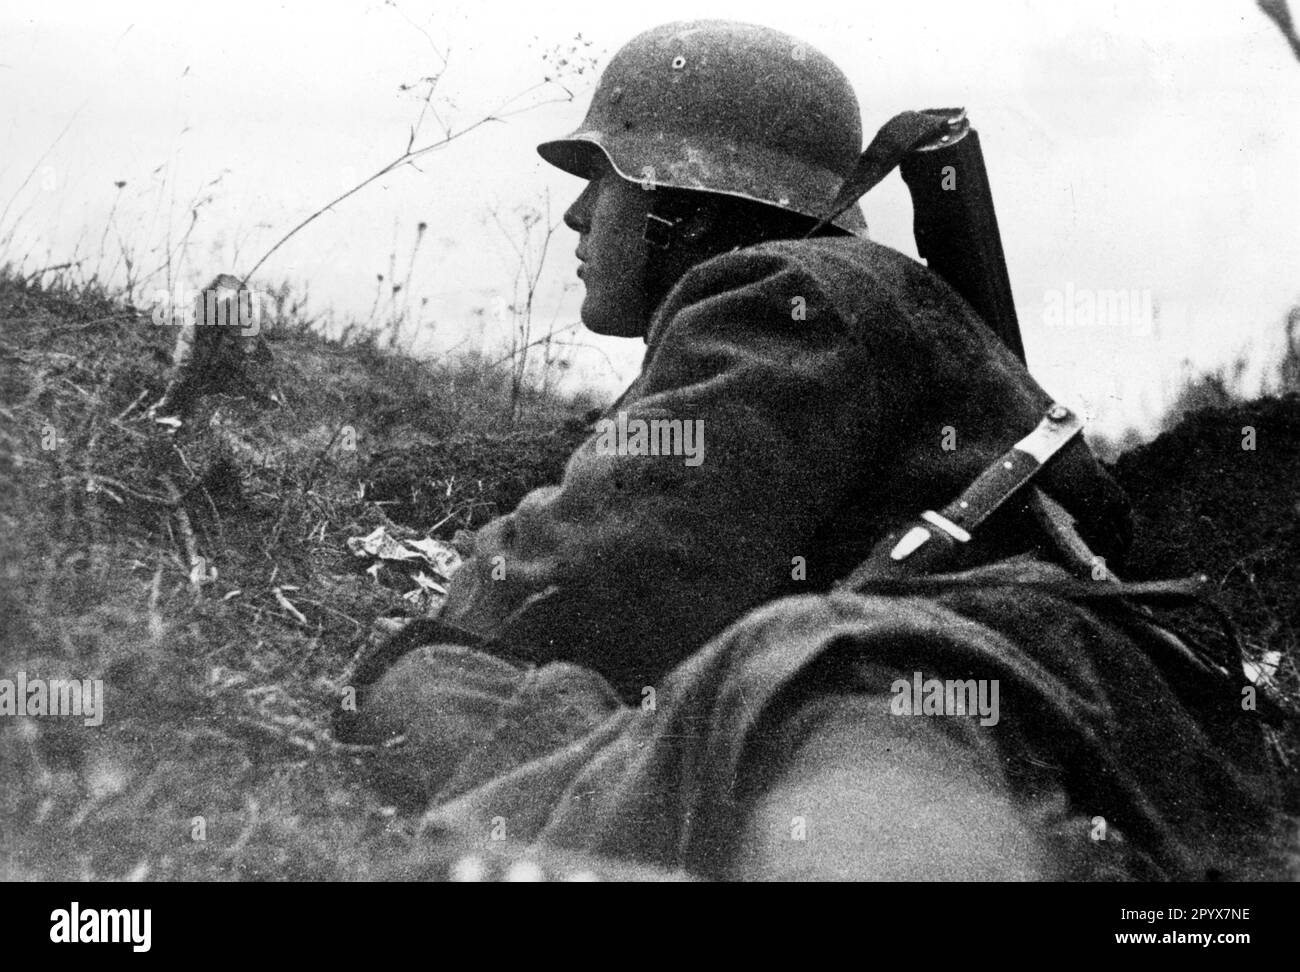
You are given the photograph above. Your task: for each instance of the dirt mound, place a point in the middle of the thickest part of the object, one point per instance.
(1219, 495)
(202, 578)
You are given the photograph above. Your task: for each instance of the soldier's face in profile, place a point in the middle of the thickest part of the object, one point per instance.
(609, 217)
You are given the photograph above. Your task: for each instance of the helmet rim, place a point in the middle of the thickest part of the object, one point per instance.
(711, 170)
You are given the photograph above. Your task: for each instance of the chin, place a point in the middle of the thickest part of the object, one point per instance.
(616, 329)
(606, 324)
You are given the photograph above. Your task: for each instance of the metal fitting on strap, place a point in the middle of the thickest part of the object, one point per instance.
(946, 525)
(660, 232)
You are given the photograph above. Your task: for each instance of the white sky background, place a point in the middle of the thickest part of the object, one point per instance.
(1139, 146)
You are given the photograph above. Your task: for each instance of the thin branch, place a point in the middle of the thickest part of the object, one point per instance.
(403, 159)
(411, 154)
(541, 340)
(44, 155)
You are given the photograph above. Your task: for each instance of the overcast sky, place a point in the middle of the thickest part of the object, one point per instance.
(1137, 146)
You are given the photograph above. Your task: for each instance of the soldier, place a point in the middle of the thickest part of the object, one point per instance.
(756, 726)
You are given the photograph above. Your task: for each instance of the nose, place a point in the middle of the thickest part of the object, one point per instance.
(578, 216)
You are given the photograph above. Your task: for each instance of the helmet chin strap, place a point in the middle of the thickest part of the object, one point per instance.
(668, 224)
(671, 221)
(661, 233)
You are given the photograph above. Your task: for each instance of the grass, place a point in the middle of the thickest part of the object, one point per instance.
(215, 760)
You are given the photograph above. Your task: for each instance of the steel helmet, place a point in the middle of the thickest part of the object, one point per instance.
(727, 108)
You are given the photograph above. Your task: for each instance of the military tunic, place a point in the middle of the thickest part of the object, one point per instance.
(670, 648)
